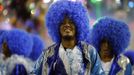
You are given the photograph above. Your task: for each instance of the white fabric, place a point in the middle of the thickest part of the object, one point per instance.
(10, 63)
(72, 59)
(63, 56)
(107, 66)
(2, 66)
(17, 59)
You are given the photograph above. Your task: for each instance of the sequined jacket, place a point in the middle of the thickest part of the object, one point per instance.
(49, 62)
(121, 66)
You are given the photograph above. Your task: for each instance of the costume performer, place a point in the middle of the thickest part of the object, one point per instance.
(68, 26)
(110, 37)
(17, 45)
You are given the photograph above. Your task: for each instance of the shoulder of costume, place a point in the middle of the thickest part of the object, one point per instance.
(123, 61)
(86, 46)
(50, 50)
(88, 50)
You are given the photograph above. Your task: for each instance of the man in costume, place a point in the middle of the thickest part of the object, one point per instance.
(68, 25)
(17, 46)
(110, 37)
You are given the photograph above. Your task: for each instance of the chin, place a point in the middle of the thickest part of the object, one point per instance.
(68, 37)
(68, 34)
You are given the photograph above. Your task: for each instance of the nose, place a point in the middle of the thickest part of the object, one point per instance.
(104, 46)
(67, 24)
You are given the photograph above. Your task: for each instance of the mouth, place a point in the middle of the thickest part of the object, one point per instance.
(106, 52)
(67, 31)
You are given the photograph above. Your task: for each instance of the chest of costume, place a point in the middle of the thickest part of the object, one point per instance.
(57, 67)
(119, 66)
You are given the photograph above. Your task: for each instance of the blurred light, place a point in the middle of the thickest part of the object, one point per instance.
(32, 12)
(73, 0)
(6, 25)
(7, 19)
(95, 1)
(77, 0)
(1, 8)
(5, 12)
(44, 6)
(46, 1)
(118, 1)
(55, 0)
(32, 6)
(8, 2)
(1, 1)
(37, 12)
(131, 4)
(98, 0)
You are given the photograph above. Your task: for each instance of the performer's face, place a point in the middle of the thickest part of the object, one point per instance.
(67, 29)
(105, 48)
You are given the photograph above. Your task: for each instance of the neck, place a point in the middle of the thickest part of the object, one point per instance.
(106, 58)
(69, 43)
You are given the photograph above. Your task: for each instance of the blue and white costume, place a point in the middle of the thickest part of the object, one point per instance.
(50, 62)
(56, 60)
(20, 45)
(118, 35)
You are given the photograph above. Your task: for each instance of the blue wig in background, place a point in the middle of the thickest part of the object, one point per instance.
(38, 47)
(19, 69)
(19, 42)
(75, 11)
(116, 32)
(2, 36)
(130, 55)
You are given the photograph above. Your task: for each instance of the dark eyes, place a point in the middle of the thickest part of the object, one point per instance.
(70, 22)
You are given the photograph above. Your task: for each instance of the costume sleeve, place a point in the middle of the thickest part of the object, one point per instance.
(128, 69)
(125, 65)
(96, 67)
(37, 70)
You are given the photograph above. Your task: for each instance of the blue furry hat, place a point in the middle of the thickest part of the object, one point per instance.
(38, 46)
(116, 32)
(2, 36)
(75, 11)
(130, 55)
(19, 42)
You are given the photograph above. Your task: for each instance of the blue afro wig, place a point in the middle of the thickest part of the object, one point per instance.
(116, 32)
(2, 36)
(130, 55)
(75, 11)
(38, 46)
(19, 42)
